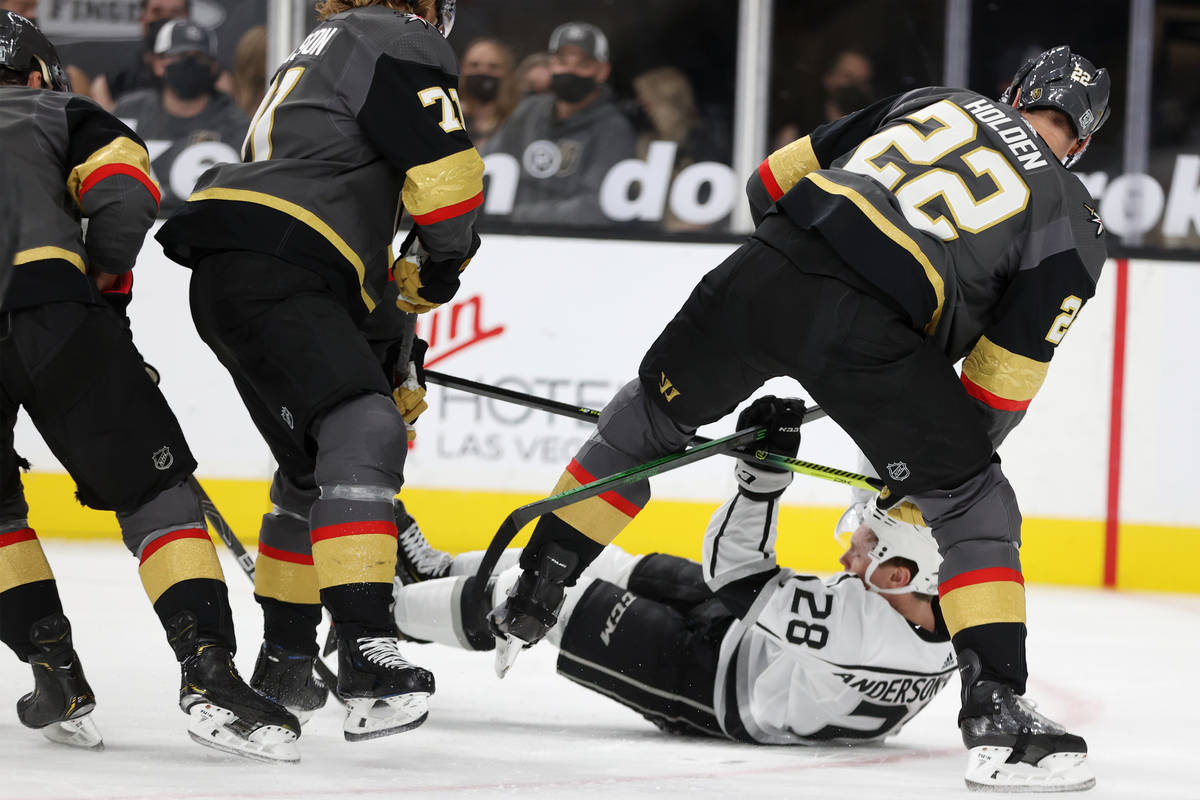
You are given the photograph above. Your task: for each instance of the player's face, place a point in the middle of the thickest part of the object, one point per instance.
(857, 557)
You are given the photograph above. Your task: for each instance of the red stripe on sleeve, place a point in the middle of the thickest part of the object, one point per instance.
(768, 179)
(994, 400)
(16, 537)
(612, 498)
(975, 576)
(283, 555)
(108, 170)
(173, 536)
(370, 526)
(450, 211)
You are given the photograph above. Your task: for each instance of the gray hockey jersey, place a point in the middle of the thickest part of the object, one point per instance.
(361, 123)
(951, 205)
(71, 160)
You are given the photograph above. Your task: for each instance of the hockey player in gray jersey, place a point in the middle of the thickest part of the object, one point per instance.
(929, 227)
(736, 646)
(67, 358)
(290, 252)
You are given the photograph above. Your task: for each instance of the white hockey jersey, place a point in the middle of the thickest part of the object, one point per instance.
(810, 660)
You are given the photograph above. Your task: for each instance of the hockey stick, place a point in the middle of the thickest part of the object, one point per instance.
(244, 561)
(591, 415)
(506, 649)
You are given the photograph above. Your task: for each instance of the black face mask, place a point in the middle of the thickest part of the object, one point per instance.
(570, 87)
(851, 98)
(152, 30)
(483, 88)
(190, 78)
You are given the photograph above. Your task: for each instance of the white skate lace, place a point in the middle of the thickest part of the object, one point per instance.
(428, 561)
(382, 651)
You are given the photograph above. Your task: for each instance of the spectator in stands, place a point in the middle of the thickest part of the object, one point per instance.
(567, 142)
(250, 69)
(533, 74)
(487, 87)
(665, 111)
(846, 85)
(187, 124)
(106, 89)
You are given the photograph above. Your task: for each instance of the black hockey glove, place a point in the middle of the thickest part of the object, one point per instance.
(409, 393)
(782, 417)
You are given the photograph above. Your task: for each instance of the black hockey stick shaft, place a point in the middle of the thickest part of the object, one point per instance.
(246, 562)
(591, 415)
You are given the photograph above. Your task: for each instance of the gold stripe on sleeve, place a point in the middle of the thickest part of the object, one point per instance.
(1003, 372)
(441, 183)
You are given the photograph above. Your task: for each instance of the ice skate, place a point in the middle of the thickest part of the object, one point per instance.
(417, 560)
(384, 693)
(61, 703)
(532, 605)
(287, 678)
(223, 712)
(1013, 748)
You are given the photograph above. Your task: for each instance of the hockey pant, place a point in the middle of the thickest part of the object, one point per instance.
(74, 369)
(758, 316)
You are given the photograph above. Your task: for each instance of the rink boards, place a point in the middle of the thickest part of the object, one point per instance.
(570, 318)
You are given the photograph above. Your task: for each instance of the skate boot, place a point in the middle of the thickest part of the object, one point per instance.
(223, 712)
(416, 559)
(384, 693)
(61, 703)
(1013, 748)
(531, 608)
(287, 678)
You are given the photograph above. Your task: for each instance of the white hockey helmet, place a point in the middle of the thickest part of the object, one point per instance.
(900, 533)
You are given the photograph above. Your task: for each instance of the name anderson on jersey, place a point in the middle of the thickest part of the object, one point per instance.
(896, 690)
(1014, 133)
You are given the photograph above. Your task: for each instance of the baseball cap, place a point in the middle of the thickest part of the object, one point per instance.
(184, 36)
(587, 37)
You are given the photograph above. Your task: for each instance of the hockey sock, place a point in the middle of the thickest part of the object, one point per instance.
(445, 611)
(354, 552)
(285, 583)
(28, 591)
(984, 611)
(180, 572)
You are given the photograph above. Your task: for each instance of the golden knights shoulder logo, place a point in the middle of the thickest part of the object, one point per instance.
(665, 388)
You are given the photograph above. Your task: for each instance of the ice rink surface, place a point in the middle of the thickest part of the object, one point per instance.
(1118, 668)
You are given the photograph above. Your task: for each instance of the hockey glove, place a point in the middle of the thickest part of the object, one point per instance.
(782, 417)
(425, 284)
(409, 393)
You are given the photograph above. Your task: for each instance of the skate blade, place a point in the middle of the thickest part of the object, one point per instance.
(213, 726)
(507, 650)
(373, 717)
(80, 732)
(987, 771)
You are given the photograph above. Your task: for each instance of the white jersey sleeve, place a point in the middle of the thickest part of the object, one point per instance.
(810, 660)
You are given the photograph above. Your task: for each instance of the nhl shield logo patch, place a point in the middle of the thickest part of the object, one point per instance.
(163, 458)
(898, 471)
(286, 415)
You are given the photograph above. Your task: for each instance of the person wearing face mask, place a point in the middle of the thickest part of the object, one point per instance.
(138, 74)
(567, 141)
(187, 123)
(487, 88)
